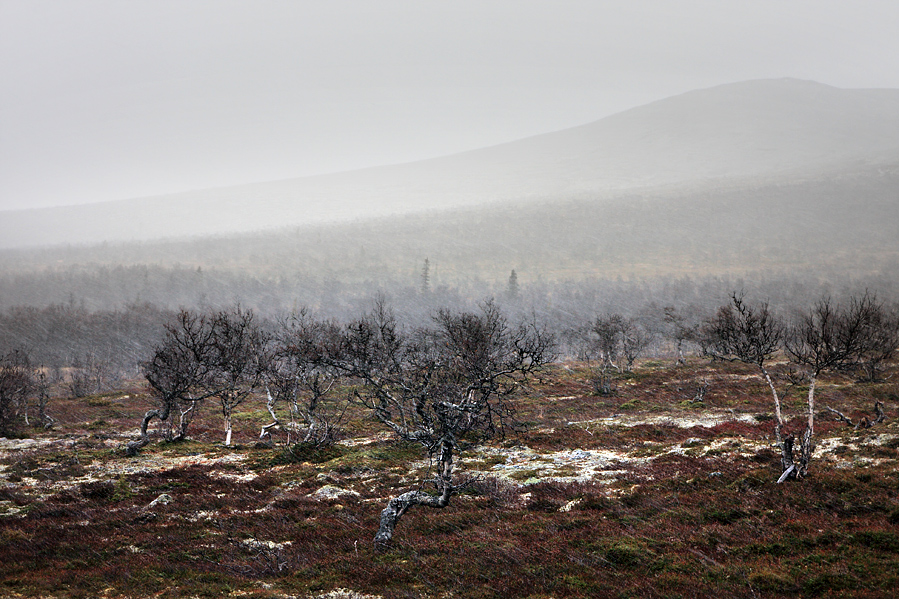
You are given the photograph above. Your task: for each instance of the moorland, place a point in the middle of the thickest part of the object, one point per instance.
(649, 490)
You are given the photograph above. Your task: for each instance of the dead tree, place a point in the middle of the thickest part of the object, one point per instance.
(438, 385)
(863, 422)
(752, 335)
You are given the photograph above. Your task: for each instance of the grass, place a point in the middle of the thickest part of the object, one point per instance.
(674, 520)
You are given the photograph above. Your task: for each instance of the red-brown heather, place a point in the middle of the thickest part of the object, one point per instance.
(642, 492)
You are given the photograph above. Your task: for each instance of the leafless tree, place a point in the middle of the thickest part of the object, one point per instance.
(750, 334)
(607, 343)
(42, 389)
(436, 386)
(680, 330)
(878, 335)
(827, 337)
(236, 361)
(88, 374)
(221, 355)
(302, 375)
(174, 373)
(16, 385)
(607, 332)
(635, 339)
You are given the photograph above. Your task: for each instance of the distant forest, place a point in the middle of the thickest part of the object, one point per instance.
(573, 259)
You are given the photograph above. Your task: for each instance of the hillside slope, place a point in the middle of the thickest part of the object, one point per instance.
(845, 225)
(750, 133)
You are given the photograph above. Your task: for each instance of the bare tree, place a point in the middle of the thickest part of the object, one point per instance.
(680, 330)
(607, 332)
(635, 339)
(42, 388)
(607, 343)
(221, 355)
(174, 373)
(750, 334)
(827, 337)
(16, 385)
(878, 335)
(236, 361)
(435, 386)
(302, 375)
(88, 374)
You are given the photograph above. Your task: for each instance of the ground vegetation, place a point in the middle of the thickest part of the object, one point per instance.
(645, 492)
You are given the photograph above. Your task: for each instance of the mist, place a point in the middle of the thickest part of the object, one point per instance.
(168, 155)
(108, 101)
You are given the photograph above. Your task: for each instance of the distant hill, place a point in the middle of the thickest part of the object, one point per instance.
(846, 223)
(738, 136)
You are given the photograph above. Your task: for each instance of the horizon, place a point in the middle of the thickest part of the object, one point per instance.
(96, 109)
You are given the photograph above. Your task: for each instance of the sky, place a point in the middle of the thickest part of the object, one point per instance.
(113, 99)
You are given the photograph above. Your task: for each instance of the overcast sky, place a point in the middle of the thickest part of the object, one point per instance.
(106, 100)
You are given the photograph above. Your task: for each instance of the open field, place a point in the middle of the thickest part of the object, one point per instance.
(642, 493)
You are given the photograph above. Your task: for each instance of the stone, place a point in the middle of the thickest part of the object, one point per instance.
(163, 499)
(332, 492)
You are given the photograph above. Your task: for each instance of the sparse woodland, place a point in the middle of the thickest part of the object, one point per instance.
(736, 448)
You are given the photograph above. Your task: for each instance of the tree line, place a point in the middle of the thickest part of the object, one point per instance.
(439, 381)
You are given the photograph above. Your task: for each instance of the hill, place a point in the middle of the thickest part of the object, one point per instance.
(745, 135)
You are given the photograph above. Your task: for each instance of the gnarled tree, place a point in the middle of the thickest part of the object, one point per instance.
(236, 361)
(752, 335)
(202, 356)
(174, 373)
(878, 335)
(435, 386)
(302, 375)
(17, 383)
(827, 337)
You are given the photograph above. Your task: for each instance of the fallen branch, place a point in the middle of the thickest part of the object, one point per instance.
(840, 416)
(863, 422)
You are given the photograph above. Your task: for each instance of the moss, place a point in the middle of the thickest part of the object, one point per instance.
(880, 540)
(523, 475)
(766, 580)
(828, 582)
(627, 553)
(487, 463)
(724, 516)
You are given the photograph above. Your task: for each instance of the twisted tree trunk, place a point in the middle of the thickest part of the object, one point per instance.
(162, 413)
(398, 506)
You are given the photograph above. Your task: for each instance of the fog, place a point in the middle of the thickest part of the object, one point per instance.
(614, 156)
(106, 100)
